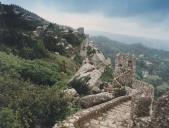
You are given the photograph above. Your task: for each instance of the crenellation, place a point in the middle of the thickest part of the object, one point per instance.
(124, 63)
(125, 68)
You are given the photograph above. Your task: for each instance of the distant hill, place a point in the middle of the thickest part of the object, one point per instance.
(113, 46)
(160, 44)
(152, 64)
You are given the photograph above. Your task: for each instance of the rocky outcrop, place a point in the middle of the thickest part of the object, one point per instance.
(96, 57)
(94, 64)
(71, 92)
(91, 100)
(86, 78)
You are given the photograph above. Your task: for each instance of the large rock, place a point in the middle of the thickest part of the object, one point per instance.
(86, 80)
(91, 100)
(71, 92)
(98, 58)
(93, 55)
(160, 117)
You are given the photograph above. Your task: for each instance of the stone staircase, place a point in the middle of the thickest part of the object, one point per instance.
(112, 114)
(116, 117)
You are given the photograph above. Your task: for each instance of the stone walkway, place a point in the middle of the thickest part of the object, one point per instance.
(117, 117)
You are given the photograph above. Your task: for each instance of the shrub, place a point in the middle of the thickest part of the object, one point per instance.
(40, 72)
(8, 119)
(78, 59)
(42, 107)
(107, 75)
(90, 51)
(46, 72)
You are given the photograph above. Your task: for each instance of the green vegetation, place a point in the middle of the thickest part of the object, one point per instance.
(26, 98)
(8, 119)
(90, 51)
(107, 76)
(34, 69)
(78, 59)
(38, 71)
(26, 105)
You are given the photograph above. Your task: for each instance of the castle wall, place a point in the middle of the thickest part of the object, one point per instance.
(75, 120)
(125, 69)
(141, 100)
(141, 104)
(124, 63)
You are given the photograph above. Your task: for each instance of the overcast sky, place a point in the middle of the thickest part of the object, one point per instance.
(146, 18)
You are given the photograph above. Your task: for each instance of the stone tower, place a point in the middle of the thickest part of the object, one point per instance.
(125, 67)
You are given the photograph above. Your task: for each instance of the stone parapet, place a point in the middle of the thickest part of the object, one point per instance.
(75, 120)
(143, 88)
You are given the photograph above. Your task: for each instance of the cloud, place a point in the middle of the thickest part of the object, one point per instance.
(148, 18)
(119, 8)
(99, 22)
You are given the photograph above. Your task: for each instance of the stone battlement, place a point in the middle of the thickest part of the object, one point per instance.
(124, 63)
(143, 88)
(124, 77)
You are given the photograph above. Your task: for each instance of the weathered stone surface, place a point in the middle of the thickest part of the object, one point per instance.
(89, 76)
(71, 92)
(125, 67)
(143, 88)
(160, 117)
(91, 100)
(121, 112)
(142, 122)
(117, 117)
(140, 106)
(82, 118)
(98, 58)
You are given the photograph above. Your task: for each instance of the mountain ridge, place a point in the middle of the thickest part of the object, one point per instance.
(129, 39)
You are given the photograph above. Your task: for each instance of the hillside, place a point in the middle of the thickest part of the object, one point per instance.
(44, 68)
(37, 59)
(27, 34)
(152, 64)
